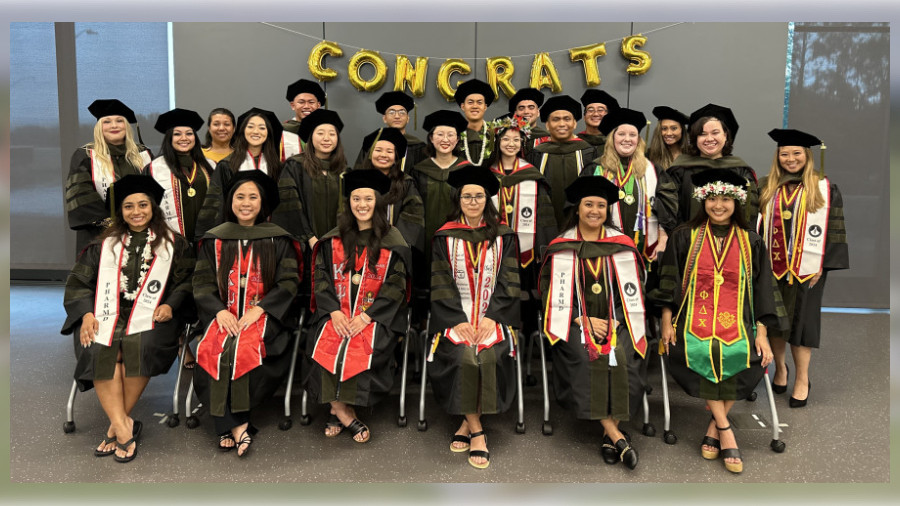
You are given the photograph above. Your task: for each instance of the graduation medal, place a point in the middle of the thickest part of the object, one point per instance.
(621, 194)
(355, 279)
(509, 208)
(787, 215)
(595, 269)
(719, 279)
(629, 199)
(596, 288)
(191, 192)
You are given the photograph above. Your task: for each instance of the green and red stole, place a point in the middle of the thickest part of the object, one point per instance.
(170, 205)
(517, 205)
(716, 286)
(250, 349)
(357, 354)
(800, 251)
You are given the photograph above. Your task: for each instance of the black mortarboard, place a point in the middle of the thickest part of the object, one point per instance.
(178, 118)
(791, 137)
(592, 186)
(392, 135)
(474, 174)
(532, 94)
(366, 178)
(560, 103)
(304, 86)
(134, 183)
(712, 175)
(275, 128)
(319, 117)
(622, 116)
(391, 98)
(111, 107)
(268, 190)
(723, 114)
(592, 96)
(665, 112)
(444, 117)
(474, 86)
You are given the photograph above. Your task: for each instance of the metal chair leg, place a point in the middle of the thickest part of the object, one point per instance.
(668, 436)
(423, 424)
(777, 444)
(191, 421)
(401, 418)
(286, 423)
(173, 419)
(546, 428)
(520, 425)
(69, 426)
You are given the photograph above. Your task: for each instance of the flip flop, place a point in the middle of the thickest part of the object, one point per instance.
(107, 453)
(124, 447)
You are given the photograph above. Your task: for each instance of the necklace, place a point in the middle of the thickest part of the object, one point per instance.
(485, 148)
(191, 191)
(146, 257)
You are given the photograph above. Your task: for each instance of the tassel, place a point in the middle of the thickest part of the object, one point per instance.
(822, 160)
(647, 133)
(612, 356)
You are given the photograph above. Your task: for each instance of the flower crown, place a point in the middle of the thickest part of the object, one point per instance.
(701, 193)
(515, 121)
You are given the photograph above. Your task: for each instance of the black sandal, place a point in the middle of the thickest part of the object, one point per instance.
(710, 441)
(245, 440)
(731, 453)
(460, 438)
(479, 453)
(356, 427)
(124, 447)
(107, 453)
(225, 436)
(333, 421)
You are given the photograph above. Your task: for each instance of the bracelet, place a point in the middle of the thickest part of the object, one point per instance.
(365, 318)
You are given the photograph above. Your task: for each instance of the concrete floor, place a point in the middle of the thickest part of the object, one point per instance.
(841, 436)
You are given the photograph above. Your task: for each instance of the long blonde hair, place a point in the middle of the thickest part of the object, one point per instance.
(101, 149)
(609, 160)
(809, 177)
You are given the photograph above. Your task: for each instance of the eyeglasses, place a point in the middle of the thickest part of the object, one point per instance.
(442, 135)
(596, 110)
(401, 113)
(468, 199)
(305, 102)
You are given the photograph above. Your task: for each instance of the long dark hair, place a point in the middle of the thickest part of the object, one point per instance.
(697, 128)
(157, 224)
(494, 159)
(265, 209)
(349, 231)
(738, 217)
(264, 249)
(337, 162)
(269, 149)
(491, 216)
(572, 218)
(171, 156)
(398, 189)
(219, 110)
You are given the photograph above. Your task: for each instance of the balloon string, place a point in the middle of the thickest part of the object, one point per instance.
(316, 37)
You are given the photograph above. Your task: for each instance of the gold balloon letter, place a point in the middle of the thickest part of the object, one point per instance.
(443, 78)
(588, 55)
(499, 71)
(540, 79)
(407, 74)
(362, 57)
(640, 60)
(319, 51)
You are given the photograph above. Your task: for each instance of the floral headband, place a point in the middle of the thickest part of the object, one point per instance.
(515, 121)
(701, 193)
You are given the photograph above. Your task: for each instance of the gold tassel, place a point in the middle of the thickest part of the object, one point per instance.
(822, 160)
(647, 133)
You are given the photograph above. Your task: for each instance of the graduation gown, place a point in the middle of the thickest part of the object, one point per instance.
(594, 390)
(460, 377)
(212, 213)
(762, 305)
(596, 140)
(85, 208)
(188, 207)
(803, 304)
(406, 212)
(675, 205)
(309, 205)
(561, 163)
(415, 153)
(387, 310)
(254, 387)
(148, 353)
(538, 134)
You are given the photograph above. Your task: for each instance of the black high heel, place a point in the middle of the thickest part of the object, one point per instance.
(797, 403)
(780, 389)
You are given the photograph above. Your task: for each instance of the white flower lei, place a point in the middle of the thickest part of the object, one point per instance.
(719, 188)
(146, 257)
(485, 144)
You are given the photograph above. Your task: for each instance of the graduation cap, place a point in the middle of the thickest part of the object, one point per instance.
(275, 128)
(532, 94)
(592, 96)
(131, 184)
(178, 118)
(592, 186)
(111, 107)
(474, 174)
(267, 187)
(560, 103)
(366, 178)
(665, 112)
(305, 86)
(474, 86)
(623, 116)
(791, 137)
(316, 118)
(722, 114)
(392, 135)
(391, 98)
(444, 117)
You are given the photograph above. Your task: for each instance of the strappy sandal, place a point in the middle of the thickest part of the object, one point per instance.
(460, 438)
(245, 440)
(356, 427)
(124, 447)
(225, 436)
(732, 453)
(107, 453)
(333, 421)
(710, 441)
(627, 454)
(608, 451)
(479, 453)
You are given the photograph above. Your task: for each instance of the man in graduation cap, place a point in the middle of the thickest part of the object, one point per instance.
(563, 156)
(395, 108)
(473, 98)
(526, 103)
(597, 104)
(305, 96)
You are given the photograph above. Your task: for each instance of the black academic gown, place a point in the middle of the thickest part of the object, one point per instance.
(561, 163)
(415, 153)
(212, 212)
(596, 140)
(190, 205)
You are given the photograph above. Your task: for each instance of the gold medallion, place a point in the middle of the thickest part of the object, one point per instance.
(355, 279)
(621, 194)
(509, 208)
(787, 215)
(629, 199)
(596, 288)
(719, 279)
(191, 192)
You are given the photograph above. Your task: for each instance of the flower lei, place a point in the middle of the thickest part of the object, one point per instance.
(146, 257)
(701, 193)
(486, 144)
(511, 122)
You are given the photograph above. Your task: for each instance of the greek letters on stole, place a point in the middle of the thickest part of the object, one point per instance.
(801, 252)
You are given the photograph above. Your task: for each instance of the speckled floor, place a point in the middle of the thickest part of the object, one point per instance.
(841, 436)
